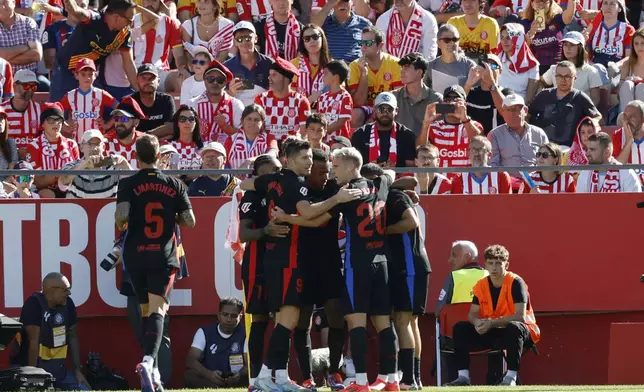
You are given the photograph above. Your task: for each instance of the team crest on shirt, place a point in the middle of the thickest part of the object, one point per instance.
(245, 207)
(336, 105)
(617, 39)
(95, 102)
(234, 348)
(397, 38)
(226, 118)
(492, 190)
(159, 39)
(387, 76)
(483, 34)
(304, 191)
(58, 319)
(291, 112)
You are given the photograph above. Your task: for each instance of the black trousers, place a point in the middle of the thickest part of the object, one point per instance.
(513, 338)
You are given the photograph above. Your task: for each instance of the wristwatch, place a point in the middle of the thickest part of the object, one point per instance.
(467, 120)
(493, 87)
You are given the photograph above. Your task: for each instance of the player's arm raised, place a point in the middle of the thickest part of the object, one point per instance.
(186, 218)
(408, 223)
(345, 195)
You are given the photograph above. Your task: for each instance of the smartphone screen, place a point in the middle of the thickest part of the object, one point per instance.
(444, 108)
(107, 161)
(247, 84)
(540, 18)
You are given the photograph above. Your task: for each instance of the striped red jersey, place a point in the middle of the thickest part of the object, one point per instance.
(440, 185)
(334, 106)
(284, 116)
(452, 142)
(154, 46)
(565, 183)
(6, 79)
(189, 157)
(87, 108)
(490, 184)
(46, 155)
(113, 146)
(637, 151)
(23, 126)
(230, 108)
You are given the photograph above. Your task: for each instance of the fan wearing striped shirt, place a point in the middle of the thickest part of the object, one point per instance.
(483, 182)
(86, 104)
(549, 181)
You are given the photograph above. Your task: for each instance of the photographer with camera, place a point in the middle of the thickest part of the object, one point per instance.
(92, 186)
(448, 126)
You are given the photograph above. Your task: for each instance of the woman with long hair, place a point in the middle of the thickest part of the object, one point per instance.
(549, 181)
(588, 78)
(186, 138)
(8, 149)
(632, 72)
(610, 35)
(251, 140)
(519, 66)
(312, 56)
(545, 21)
(209, 28)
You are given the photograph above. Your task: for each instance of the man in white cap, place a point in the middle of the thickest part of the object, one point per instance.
(395, 144)
(513, 143)
(92, 186)
(249, 67)
(213, 156)
(23, 114)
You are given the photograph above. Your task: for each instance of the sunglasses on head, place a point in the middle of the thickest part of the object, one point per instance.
(216, 79)
(313, 37)
(367, 42)
(448, 40)
(121, 119)
(543, 154)
(183, 119)
(29, 86)
(200, 62)
(246, 38)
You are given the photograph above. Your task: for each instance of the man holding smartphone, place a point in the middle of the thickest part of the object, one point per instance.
(92, 186)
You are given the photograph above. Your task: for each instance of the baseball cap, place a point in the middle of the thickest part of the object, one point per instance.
(91, 134)
(513, 100)
(455, 89)
(341, 140)
(196, 49)
(493, 57)
(213, 146)
(130, 108)
(147, 68)
(25, 76)
(85, 63)
(216, 65)
(386, 98)
(244, 25)
(51, 109)
(166, 148)
(574, 37)
(285, 67)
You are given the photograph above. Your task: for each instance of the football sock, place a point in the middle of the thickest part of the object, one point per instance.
(358, 338)
(302, 343)
(406, 361)
(152, 336)
(387, 351)
(336, 344)
(256, 346)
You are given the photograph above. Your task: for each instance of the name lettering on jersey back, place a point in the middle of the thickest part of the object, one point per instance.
(151, 187)
(274, 185)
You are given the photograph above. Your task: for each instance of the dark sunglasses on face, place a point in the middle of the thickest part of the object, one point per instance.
(494, 66)
(367, 42)
(313, 37)
(183, 119)
(23, 179)
(122, 119)
(216, 79)
(448, 40)
(247, 38)
(30, 86)
(543, 155)
(200, 62)
(54, 120)
(385, 109)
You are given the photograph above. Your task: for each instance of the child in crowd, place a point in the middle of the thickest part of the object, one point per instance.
(194, 86)
(316, 127)
(336, 104)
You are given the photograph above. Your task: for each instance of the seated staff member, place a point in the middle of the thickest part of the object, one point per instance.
(501, 312)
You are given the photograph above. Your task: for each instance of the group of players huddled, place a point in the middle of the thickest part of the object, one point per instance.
(290, 218)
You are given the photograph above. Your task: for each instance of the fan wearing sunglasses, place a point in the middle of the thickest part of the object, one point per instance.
(549, 181)
(21, 185)
(194, 86)
(485, 97)
(313, 56)
(23, 110)
(187, 137)
(219, 113)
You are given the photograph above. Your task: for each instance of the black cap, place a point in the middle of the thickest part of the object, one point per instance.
(147, 68)
(455, 89)
(51, 109)
(342, 140)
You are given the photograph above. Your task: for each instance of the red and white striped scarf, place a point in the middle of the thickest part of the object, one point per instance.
(207, 111)
(54, 155)
(577, 156)
(611, 182)
(253, 10)
(232, 233)
(222, 40)
(522, 59)
(307, 83)
(374, 145)
(291, 41)
(401, 39)
(240, 151)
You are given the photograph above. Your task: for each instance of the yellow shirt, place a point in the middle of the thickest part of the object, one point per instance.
(386, 78)
(230, 6)
(484, 38)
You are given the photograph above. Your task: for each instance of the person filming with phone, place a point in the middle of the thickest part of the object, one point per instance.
(448, 126)
(92, 186)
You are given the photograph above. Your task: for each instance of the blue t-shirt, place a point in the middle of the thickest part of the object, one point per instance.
(93, 39)
(344, 39)
(206, 186)
(259, 73)
(56, 35)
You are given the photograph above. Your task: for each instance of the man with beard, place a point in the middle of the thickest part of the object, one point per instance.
(219, 113)
(122, 140)
(481, 183)
(395, 144)
(158, 107)
(279, 34)
(600, 151)
(627, 141)
(427, 155)
(158, 38)
(284, 276)
(23, 114)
